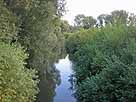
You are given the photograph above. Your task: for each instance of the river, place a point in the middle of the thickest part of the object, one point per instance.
(63, 91)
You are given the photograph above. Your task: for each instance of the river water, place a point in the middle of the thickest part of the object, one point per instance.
(63, 91)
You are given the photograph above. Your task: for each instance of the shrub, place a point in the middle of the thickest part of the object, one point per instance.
(105, 64)
(8, 24)
(17, 83)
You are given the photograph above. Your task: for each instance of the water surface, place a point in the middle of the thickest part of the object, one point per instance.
(63, 91)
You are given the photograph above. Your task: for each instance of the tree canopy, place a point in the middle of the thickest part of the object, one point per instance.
(16, 81)
(104, 60)
(84, 21)
(36, 26)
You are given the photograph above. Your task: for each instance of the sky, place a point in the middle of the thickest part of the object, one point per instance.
(96, 7)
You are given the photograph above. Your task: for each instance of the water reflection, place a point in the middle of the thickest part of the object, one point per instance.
(47, 92)
(47, 85)
(63, 92)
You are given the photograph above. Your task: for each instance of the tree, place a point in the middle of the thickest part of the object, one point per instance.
(132, 19)
(104, 19)
(120, 16)
(65, 27)
(19, 5)
(17, 83)
(41, 34)
(117, 17)
(8, 24)
(104, 63)
(84, 21)
(89, 22)
(79, 20)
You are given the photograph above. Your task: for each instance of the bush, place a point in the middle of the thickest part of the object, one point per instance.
(17, 83)
(8, 24)
(105, 64)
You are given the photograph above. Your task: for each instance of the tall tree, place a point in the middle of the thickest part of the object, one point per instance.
(89, 22)
(40, 33)
(120, 16)
(8, 24)
(79, 20)
(16, 81)
(104, 63)
(117, 17)
(84, 21)
(104, 19)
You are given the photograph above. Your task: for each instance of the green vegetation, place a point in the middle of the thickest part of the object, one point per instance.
(33, 25)
(104, 60)
(84, 21)
(8, 24)
(16, 81)
(32, 38)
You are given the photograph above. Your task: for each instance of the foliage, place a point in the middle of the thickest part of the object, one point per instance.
(84, 21)
(78, 19)
(65, 27)
(40, 31)
(104, 63)
(8, 24)
(36, 25)
(117, 17)
(16, 81)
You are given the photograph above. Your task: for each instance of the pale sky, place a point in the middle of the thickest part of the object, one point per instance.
(97, 7)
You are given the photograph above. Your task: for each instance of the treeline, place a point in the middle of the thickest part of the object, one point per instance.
(103, 52)
(31, 40)
(85, 22)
